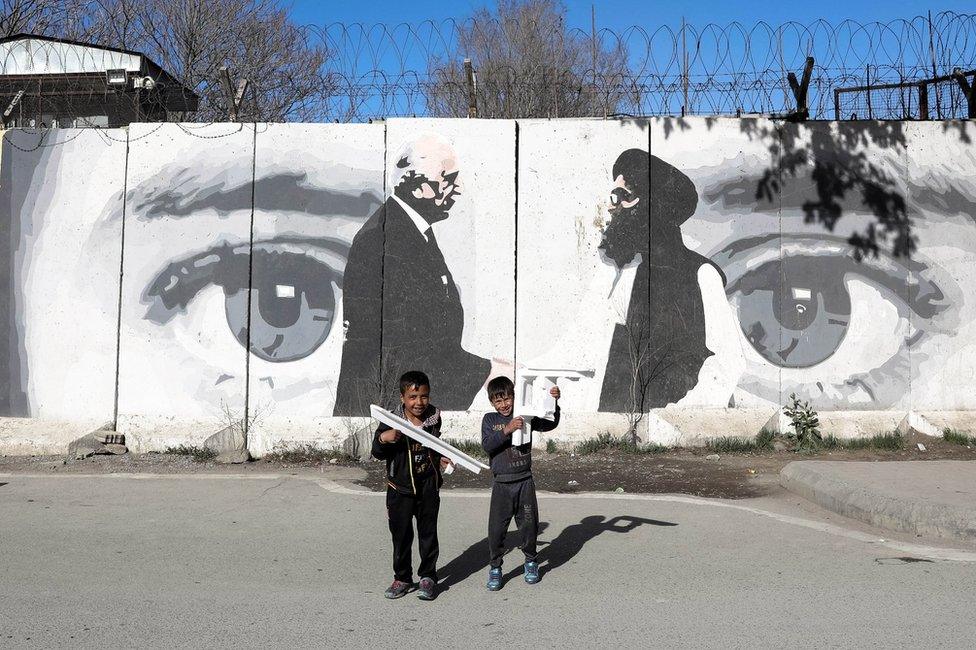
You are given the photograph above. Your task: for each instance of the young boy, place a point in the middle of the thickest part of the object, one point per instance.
(413, 480)
(513, 490)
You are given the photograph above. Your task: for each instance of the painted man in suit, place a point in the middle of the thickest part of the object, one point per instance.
(400, 304)
(657, 352)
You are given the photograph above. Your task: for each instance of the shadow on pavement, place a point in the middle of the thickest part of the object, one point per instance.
(572, 538)
(474, 559)
(556, 553)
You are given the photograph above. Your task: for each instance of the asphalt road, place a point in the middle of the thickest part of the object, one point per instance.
(294, 561)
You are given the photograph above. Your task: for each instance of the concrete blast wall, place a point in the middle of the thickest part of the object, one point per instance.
(169, 279)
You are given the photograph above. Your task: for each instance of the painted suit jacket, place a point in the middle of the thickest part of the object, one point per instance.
(403, 312)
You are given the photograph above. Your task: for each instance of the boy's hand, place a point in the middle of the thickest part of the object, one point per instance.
(445, 461)
(390, 435)
(554, 391)
(513, 426)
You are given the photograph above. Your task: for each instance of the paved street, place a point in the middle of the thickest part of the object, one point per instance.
(300, 561)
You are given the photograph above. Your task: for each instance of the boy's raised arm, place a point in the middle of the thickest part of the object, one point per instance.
(542, 425)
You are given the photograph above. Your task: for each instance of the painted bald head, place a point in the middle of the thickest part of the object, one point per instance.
(425, 177)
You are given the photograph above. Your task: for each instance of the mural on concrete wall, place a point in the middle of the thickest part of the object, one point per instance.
(182, 368)
(298, 269)
(315, 187)
(59, 274)
(657, 352)
(431, 264)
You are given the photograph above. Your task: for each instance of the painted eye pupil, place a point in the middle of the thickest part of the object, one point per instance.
(292, 306)
(795, 314)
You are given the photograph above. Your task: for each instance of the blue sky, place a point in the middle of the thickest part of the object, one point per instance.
(623, 13)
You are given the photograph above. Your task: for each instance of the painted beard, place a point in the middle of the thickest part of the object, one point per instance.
(626, 236)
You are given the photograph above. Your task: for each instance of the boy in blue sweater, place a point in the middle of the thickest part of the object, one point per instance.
(513, 489)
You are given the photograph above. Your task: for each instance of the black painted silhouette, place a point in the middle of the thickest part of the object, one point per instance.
(656, 354)
(400, 303)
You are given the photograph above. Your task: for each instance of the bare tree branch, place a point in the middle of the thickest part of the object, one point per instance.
(529, 64)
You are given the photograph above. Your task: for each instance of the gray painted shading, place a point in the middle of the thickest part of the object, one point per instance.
(13, 203)
(292, 306)
(795, 313)
(275, 192)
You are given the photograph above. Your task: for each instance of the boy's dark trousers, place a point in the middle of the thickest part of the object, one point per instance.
(401, 510)
(507, 500)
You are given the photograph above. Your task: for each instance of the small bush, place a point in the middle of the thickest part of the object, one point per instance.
(199, 454)
(890, 441)
(650, 448)
(764, 440)
(470, 447)
(957, 437)
(730, 445)
(806, 424)
(605, 442)
(306, 454)
(551, 447)
(831, 442)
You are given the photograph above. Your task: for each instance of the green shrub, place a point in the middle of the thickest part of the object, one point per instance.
(764, 440)
(551, 447)
(890, 441)
(957, 437)
(470, 447)
(806, 424)
(305, 454)
(199, 454)
(605, 442)
(730, 445)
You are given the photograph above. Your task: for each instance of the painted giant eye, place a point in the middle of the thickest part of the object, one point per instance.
(794, 312)
(292, 306)
(293, 294)
(819, 323)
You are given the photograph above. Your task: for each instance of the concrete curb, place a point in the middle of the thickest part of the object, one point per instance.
(860, 499)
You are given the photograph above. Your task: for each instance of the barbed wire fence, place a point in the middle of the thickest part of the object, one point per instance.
(900, 69)
(384, 71)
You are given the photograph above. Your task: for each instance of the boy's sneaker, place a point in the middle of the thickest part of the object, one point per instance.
(494, 578)
(532, 572)
(428, 589)
(398, 588)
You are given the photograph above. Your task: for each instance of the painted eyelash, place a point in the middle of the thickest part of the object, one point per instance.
(925, 296)
(227, 266)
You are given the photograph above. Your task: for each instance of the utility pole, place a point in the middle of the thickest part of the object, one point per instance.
(472, 95)
(233, 99)
(935, 73)
(684, 74)
(594, 55)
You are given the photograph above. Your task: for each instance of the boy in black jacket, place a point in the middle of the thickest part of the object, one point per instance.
(513, 490)
(413, 479)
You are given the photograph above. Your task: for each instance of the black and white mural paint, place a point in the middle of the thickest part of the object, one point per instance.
(176, 278)
(656, 353)
(59, 282)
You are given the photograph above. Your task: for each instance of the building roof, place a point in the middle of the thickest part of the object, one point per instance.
(36, 56)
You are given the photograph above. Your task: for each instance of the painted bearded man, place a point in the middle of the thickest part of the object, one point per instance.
(657, 352)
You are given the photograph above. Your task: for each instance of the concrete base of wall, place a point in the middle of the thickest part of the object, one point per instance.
(280, 433)
(41, 437)
(668, 426)
(156, 433)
